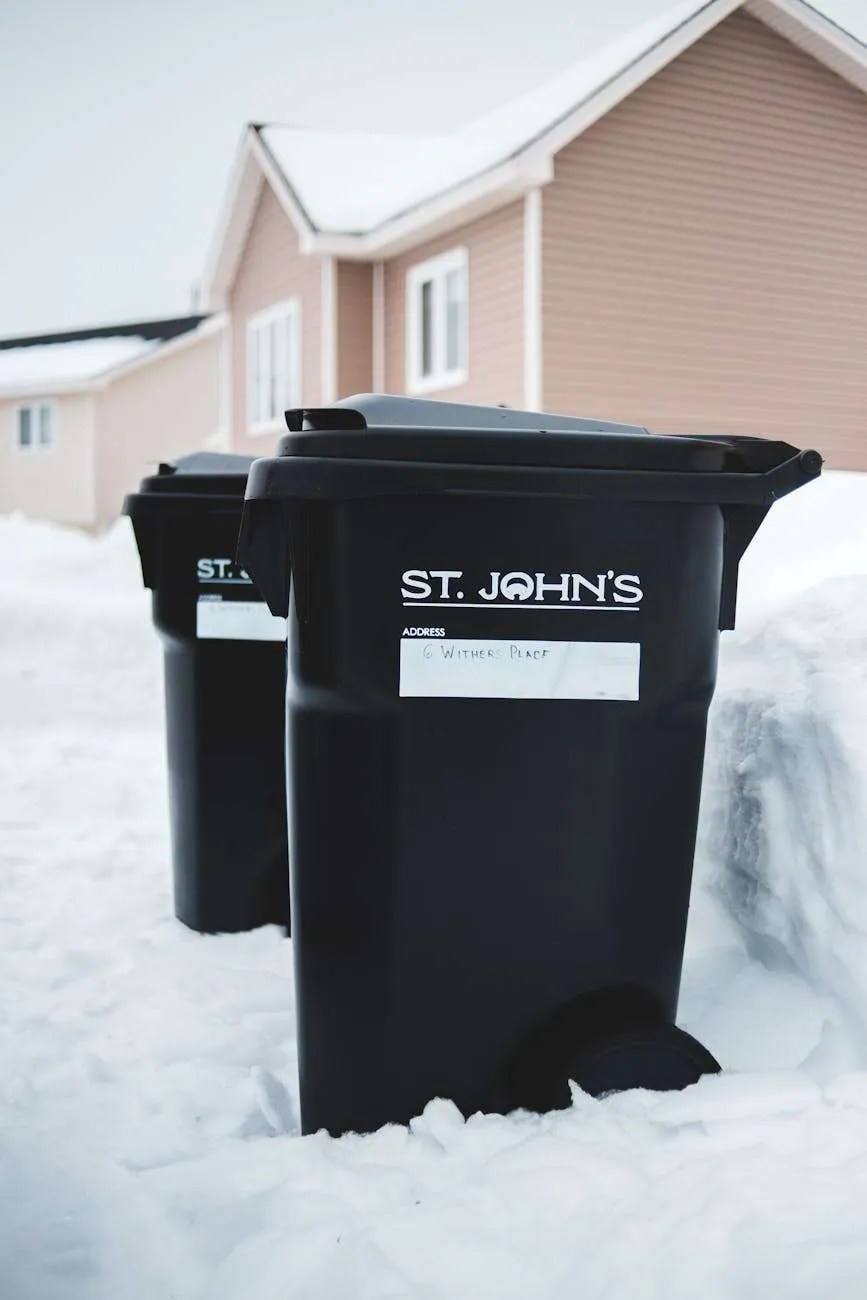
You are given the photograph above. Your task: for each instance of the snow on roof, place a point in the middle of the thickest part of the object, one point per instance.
(352, 182)
(54, 365)
(349, 180)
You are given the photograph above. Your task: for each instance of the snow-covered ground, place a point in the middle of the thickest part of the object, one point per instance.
(148, 1102)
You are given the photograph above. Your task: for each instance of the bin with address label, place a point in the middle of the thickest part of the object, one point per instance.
(225, 668)
(503, 636)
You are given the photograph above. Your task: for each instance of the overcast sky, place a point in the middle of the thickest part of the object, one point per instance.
(119, 118)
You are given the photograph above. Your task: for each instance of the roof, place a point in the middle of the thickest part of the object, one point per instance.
(167, 327)
(78, 360)
(53, 365)
(353, 182)
(365, 196)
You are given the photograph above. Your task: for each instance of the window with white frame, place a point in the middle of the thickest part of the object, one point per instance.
(36, 426)
(273, 364)
(436, 320)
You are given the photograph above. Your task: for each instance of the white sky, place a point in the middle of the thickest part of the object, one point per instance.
(119, 118)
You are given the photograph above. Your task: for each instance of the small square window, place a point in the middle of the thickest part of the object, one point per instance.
(436, 320)
(35, 426)
(273, 365)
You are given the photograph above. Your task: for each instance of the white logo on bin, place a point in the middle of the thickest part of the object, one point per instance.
(220, 569)
(516, 589)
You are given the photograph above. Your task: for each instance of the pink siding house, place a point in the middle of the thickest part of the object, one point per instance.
(672, 232)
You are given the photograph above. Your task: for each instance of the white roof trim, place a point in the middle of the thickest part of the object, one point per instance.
(252, 167)
(282, 187)
(530, 165)
(474, 198)
(48, 391)
(806, 14)
(233, 223)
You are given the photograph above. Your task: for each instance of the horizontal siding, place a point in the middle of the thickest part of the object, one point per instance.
(354, 328)
(271, 268)
(495, 369)
(168, 407)
(704, 251)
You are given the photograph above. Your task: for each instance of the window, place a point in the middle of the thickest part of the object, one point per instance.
(273, 365)
(436, 319)
(36, 426)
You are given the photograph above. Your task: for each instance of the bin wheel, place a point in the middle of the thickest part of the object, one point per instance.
(655, 1055)
(607, 1040)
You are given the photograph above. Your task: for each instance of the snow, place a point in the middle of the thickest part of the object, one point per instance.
(51, 364)
(148, 1096)
(353, 181)
(791, 755)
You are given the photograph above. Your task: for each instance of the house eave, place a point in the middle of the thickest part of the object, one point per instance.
(233, 223)
(475, 198)
(26, 392)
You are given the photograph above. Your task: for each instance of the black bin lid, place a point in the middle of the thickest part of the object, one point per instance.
(384, 428)
(173, 497)
(200, 474)
(380, 445)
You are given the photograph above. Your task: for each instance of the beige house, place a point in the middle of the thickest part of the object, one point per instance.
(674, 232)
(84, 416)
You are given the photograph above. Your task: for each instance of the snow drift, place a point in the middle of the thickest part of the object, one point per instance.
(785, 823)
(148, 1098)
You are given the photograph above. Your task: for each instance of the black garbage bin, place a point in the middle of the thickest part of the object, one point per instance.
(503, 635)
(225, 670)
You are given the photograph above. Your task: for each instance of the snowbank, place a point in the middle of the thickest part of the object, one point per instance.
(785, 820)
(148, 1096)
(783, 836)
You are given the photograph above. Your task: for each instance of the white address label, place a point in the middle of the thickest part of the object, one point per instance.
(237, 620)
(520, 670)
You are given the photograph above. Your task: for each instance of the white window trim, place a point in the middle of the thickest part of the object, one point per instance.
(456, 259)
(286, 307)
(533, 400)
(328, 289)
(378, 326)
(32, 403)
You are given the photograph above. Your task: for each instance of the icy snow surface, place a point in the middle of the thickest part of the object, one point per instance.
(64, 363)
(353, 181)
(148, 1102)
